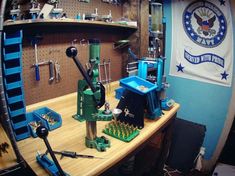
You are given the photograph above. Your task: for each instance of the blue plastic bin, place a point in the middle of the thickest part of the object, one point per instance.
(46, 111)
(137, 85)
(16, 112)
(18, 121)
(21, 133)
(13, 38)
(11, 56)
(12, 70)
(14, 99)
(32, 118)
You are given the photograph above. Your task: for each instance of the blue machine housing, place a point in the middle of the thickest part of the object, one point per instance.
(153, 101)
(157, 64)
(156, 100)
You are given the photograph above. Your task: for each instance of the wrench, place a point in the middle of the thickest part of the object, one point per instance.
(106, 75)
(51, 71)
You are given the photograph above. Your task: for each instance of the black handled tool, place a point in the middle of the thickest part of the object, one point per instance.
(72, 154)
(35, 42)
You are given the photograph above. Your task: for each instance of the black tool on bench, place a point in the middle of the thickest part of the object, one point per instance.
(72, 154)
(42, 132)
(35, 42)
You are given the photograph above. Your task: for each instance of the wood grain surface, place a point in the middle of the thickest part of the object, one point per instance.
(71, 135)
(7, 159)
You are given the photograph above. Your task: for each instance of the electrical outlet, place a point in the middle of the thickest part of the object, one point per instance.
(202, 151)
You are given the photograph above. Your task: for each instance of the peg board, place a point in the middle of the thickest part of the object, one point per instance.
(53, 47)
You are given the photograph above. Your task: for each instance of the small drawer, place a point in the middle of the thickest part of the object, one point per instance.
(18, 121)
(33, 122)
(22, 133)
(51, 118)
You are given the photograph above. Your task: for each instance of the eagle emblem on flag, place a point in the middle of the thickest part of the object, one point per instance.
(204, 24)
(202, 37)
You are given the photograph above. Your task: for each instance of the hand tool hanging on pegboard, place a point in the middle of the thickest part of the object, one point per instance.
(105, 74)
(99, 70)
(35, 42)
(109, 77)
(51, 69)
(57, 72)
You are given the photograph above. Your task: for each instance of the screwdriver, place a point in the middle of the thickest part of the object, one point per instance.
(74, 155)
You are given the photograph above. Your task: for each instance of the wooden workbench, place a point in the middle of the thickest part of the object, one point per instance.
(7, 159)
(71, 136)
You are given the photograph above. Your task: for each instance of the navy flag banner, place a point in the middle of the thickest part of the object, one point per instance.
(202, 41)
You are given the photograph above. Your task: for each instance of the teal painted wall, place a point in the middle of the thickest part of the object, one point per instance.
(200, 102)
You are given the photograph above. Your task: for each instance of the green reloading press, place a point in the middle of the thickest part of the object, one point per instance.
(91, 97)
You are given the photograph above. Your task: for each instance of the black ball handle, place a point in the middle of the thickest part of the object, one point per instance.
(71, 51)
(42, 132)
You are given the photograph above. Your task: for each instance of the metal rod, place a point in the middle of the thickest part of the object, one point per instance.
(106, 75)
(109, 79)
(91, 130)
(72, 53)
(37, 72)
(99, 72)
(53, 157)
(36, 52)
(84, 74)
(74, 155)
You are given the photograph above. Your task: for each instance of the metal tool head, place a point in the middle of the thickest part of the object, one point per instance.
(116, 112)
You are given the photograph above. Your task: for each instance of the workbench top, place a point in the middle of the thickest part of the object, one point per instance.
(7, 159)
(71, 136)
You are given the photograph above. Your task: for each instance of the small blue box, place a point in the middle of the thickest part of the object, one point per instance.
(33, 119)
(137, 85)
(16, 112)
(41, 112)
(21, 133)
(11, 56)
